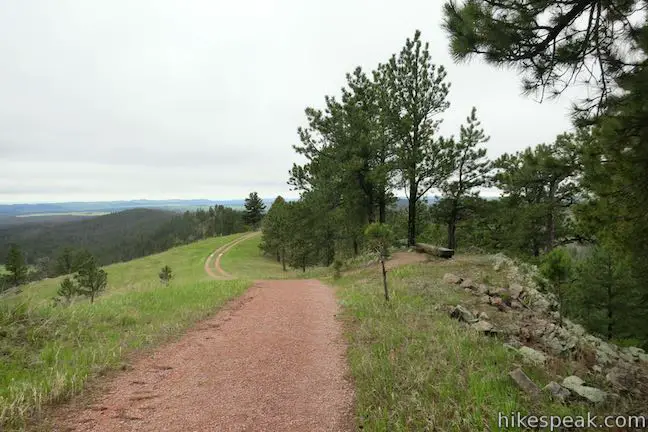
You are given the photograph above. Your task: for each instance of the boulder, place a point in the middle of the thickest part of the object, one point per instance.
(468, 283)
(482, 289)
(451, 279)
(516, 290)
(482, 316)
(485, 299)
(557, 391)
(636, 352)
(484, 327)
(608, 349)
(578, 386)
(525, 383)
(462, 314)
(622, 377)
(533, 356)
(643, 357)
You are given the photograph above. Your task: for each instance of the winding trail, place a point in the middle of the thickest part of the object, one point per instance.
(273, 360)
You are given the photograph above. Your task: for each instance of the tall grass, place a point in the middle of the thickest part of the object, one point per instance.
(48, 353)
(415, 369)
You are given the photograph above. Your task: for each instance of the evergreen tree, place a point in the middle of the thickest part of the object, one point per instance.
(470, 168)
(541, 184)
(90, 279)
(15, 265)
(553, 42)
(380, 236)
(557, 268)
(165, 275)
(416, 92)
(254, 210)
(276, 231)
(67, 289)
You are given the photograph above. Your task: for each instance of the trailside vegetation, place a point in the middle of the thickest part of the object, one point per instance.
(576, 206)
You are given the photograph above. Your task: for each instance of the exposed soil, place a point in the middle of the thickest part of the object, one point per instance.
(212, 263)
(273, 361)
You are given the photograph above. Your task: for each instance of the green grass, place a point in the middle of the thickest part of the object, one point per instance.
(415, 368)
(47, 353)
(246, 261)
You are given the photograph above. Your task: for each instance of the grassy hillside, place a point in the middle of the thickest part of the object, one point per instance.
(245, 260)
(49, 353)
(416, 369)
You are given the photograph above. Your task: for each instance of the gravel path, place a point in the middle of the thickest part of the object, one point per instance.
(274, 360)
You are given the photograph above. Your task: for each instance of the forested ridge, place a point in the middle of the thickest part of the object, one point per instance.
(115, 237)
(575, 206)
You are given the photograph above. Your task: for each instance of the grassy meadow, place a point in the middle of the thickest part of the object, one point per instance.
(246, 261)
(415, 368)
(48, 354)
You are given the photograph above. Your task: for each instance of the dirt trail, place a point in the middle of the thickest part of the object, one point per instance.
(274, 360)
(213, 267)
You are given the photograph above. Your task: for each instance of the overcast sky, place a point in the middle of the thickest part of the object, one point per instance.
(126, 99)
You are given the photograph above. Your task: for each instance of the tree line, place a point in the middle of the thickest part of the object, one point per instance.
(577, 206)
(38, 251)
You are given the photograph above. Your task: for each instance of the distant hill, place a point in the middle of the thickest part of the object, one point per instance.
(110, 238)
(52, 209)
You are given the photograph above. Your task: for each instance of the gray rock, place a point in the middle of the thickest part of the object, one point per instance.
(462, 314)
(451, 279)
(525, 383)
(578, 386)
(608, 349)
(592, 339)
(602, 358)
(557, 391)
(483, 316)
(533, 356)
(516, 290)
(484, 299)
(484, 327)
(482, 289)
(626, 357)
(636, 352)
(468, 283)
(643, 357)
(622, 377)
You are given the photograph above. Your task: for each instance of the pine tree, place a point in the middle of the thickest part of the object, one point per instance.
(15, 265)
(90, 279)
(554, 43)
(416, 92)
(276, 231)
(379, 236)
(254, 210)
(541, 184)
(165, 275)
(470, 169)
(67, 289)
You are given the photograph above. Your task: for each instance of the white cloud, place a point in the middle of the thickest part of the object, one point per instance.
(162, 99)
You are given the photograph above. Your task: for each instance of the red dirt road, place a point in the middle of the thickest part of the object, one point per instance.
(274, 361)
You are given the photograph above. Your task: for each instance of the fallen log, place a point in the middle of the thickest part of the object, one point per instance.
(434, 250)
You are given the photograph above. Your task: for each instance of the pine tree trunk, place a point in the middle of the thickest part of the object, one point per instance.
(355, 246)
(411, 215)
(609, 302)
(384, 275)
(283, 259)
(452, 227)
